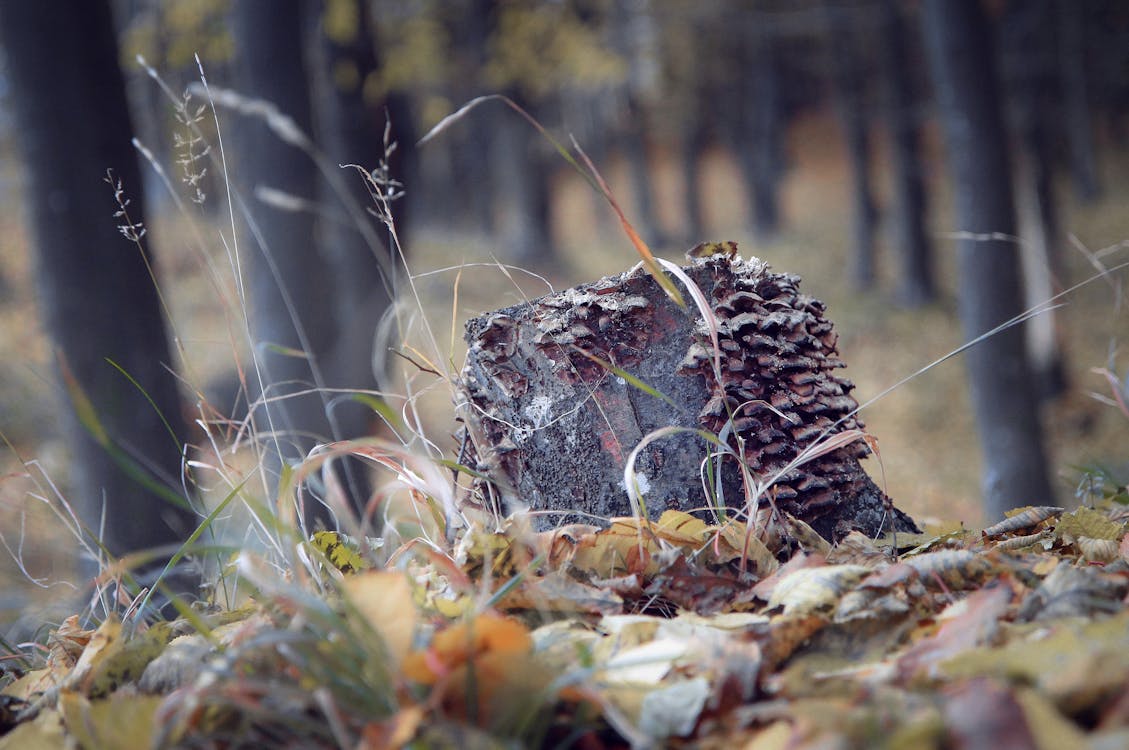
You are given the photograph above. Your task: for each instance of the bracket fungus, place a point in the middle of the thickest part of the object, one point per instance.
(558, 394)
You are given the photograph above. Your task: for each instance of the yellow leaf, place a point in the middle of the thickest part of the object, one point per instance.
(1049, 728)
(120, 721)
(340, 550)
(1087, 522)
(681, 528)
(35, 681)
(776, 736)
(384, 599)
(627, 545)
(110, 660)
(711, 249)
(45, 732)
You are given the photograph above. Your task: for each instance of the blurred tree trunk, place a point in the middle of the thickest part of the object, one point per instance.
(95, 291)
(848, 78)
(693, 145)
(472, 182)
(1070, 20)
(959, 48)
(351, 130)
(635, 35)
(918, 285)
(646, 218)
(149, 104)
(1028, 50)
(759, 141)
(521, 174)
(291, 314)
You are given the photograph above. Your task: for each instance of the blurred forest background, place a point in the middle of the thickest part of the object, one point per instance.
(816, 133)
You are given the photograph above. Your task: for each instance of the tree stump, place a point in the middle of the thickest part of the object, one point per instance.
(553, 420)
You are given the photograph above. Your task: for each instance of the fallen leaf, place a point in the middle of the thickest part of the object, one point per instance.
(1087, 522)
(557, 591)
(1049, 728)
(1020, 519)
(384, 599)
(120, 721)
(44, 732)
(983, 715)
(466, 641)
(811, 590)
(966, 624)
(673, 710)
(111, 660)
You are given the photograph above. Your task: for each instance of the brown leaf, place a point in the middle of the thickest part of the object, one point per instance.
(983, 715)
(968, 623)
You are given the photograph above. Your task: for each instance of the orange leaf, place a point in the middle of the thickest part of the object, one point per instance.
(465, 641)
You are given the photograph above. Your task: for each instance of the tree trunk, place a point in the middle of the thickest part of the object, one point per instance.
(1027, 42)
(959, 47)
(467, 196)
(849, 84)
(634, 142)
(554, 427)
(291, 310)
(351, 130)
(521, 179)
(96, 295)
(760, 142)
(918, 285)
(1078, 125)
(693, 146)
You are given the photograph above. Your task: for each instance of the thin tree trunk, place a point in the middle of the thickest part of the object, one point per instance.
(351, 130)
(1027, 42)
(959, 47)
(1078, 124)
(640, 173)
(849, 84)
(917, 285)
(760, 145)
(94, 286)
(692, 148)
(521, 183)
(291, 323)
(468, 195)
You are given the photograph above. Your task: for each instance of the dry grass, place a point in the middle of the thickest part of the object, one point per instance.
(927, 440)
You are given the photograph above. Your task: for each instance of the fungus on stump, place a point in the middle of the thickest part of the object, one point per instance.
(553, 425)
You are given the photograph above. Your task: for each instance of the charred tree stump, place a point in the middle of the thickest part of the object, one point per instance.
(553, 421)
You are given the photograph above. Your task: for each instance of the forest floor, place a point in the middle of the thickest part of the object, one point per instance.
(929, 455)
(926, 435)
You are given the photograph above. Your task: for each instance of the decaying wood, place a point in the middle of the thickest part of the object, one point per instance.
(553, 423)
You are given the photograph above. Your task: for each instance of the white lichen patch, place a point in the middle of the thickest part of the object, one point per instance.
(540, 411)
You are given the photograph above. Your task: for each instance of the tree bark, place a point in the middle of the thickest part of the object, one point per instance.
(291, 321)
(555, 412)
(521, 185)
(470, 192)
(692, 147)
(1078, 124)
(96, 294)
(351, 130)
(959, 47)
(760, 141)
(849, 84)
(639, 170)
(1027, 43)
(917, 285)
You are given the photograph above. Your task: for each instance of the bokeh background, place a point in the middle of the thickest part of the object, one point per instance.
(789, 127)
